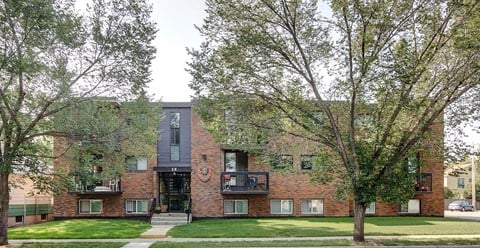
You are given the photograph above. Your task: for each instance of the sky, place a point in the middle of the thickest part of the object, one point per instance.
(175, 23)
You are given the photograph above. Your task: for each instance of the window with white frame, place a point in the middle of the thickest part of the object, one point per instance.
(410, 207)
(370, 208)
(278, 206)
(235, 207)
(136, 206)
(306, 162)
(88, 206)
(312, 206)
(136, 164)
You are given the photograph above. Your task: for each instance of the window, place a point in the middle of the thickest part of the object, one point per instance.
(306, 162)
(136, 164)
(230, 161)
(413, 164)
(363, 121)
(281, 206)
(411, 207)
(370, 208)
(424, 182)
(461, 183)
(281, 162)
(136, 206)
(19, 219)
(235, 206)
(90, 206)
(312, 206)
(236, 161)
(43, 216)
(174, 136)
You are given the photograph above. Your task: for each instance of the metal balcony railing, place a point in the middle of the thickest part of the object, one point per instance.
(107, 187)
(244, 182)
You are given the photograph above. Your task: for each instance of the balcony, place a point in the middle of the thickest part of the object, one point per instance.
(244, 182)
(424, 183)
(104, 187)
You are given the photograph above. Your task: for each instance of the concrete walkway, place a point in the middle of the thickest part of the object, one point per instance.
(157, 231)
(147, 242)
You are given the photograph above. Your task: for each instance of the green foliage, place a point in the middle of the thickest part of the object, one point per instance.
(448, 194)
(103, 133)
(393, 68)
(468, 191)
(55, 56)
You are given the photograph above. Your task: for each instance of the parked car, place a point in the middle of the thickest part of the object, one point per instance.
(461, 205)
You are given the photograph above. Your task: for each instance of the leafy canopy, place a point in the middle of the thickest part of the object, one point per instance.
(366, 81)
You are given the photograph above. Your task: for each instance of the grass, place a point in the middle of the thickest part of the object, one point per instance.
(317, 243)
(323, 227)
(81, 229)
(74, 245)
(439, 241)
(299, 243)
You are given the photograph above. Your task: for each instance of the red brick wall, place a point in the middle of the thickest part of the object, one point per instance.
(134, 185)
(207, 201)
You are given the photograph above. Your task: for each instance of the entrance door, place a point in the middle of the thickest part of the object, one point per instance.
(175, 191)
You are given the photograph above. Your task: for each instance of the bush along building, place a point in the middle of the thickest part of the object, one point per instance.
(192, 173)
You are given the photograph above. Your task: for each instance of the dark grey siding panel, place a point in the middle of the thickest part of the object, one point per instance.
(163, 147)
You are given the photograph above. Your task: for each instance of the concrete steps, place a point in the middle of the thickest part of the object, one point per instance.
(170, 219)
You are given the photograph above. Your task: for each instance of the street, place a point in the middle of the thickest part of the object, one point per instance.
(464, 215)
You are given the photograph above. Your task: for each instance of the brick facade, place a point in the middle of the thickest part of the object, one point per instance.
(138, 185)
(209, 202)
(207, 164)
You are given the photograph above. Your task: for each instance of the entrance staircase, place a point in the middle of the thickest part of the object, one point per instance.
(170, 219)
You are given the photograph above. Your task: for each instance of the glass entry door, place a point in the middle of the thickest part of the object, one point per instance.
(175, 191)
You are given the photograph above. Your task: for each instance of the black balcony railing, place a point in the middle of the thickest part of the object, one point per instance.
(105, 187)
(424, 183)
(244, 182)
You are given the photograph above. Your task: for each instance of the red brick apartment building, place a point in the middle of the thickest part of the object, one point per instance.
(217, 180)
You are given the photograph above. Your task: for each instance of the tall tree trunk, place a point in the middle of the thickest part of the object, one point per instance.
(4, 199)
(359, 222)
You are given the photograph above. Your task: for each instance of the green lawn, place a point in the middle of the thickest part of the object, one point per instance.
(81, 229)
(317, 243)
(322, 227)
(301, 243)
(74, 245)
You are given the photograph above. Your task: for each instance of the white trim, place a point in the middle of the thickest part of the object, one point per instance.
(285, 206)
(91, 201)
(310, 207)
(134, 206)
(236, 208)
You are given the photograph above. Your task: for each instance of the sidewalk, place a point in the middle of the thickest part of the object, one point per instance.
(146, 242)
(157, 231)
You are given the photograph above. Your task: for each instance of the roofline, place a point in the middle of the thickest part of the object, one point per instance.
(176, 104)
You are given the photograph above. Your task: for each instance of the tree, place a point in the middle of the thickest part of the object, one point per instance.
(52, 58)
(102, 134)
(393, 67)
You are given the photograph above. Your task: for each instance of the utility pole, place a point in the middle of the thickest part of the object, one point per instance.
(474, 185)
